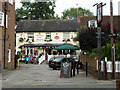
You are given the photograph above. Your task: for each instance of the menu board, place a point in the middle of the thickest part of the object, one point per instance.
(65, 70)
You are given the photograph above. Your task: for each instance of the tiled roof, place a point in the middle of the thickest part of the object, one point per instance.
(47, 26)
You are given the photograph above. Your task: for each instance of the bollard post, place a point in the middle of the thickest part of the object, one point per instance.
(105, 70)
(77, 68)
(73, 68)
(86, 68)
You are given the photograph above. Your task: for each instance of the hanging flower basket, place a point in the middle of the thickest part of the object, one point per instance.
(23, 51)
(21, 39)
(75, 39)
(50, 40)
(68, 39)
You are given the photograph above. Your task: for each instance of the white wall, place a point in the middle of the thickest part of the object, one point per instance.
(119, 8)
(39, 37)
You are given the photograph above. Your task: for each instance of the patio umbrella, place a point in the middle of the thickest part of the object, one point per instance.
(66, 47)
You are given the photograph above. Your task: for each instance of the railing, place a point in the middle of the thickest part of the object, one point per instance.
(41, 59)
(50, 56)
(109, 66)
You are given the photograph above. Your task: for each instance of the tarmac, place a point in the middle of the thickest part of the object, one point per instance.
(41, 76)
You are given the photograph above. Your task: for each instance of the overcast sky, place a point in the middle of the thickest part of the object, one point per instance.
(61, 5)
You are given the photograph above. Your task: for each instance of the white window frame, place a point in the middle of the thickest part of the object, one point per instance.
(6, 21)
(30, 36)
(11, 2)
(89, 23)
(48, 34)
(66, 35)
(9, 55)
(2, 21)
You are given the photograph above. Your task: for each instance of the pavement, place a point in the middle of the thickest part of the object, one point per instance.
(41, 76)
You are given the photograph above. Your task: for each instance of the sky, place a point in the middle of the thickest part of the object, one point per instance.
(61, 5)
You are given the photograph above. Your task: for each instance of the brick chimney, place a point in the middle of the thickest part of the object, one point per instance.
(79, 15)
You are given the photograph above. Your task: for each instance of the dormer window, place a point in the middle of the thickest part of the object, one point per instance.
(92, 23)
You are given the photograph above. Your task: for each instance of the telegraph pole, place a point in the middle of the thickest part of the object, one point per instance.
(99, 21)
(112, 40)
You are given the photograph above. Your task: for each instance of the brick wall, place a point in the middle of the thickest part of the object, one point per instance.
(92, 66)
(10, 38)
(91, 63)
(106, 19)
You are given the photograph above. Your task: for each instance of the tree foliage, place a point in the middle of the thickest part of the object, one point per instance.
(86, 38)
(36, 10)
(88, 41)
(72, 13)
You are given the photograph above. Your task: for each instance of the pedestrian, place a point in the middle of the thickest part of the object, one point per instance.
(31, 59)
(68, 55)
(26, 59)
(35, 59)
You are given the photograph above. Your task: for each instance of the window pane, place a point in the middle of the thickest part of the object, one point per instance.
(66, 35)
(48, 35)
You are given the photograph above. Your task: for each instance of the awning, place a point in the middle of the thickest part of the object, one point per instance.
(41, 45)
(66, 47)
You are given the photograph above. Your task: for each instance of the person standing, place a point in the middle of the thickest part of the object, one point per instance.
(35, 59)
(31, 59)
(26, 59)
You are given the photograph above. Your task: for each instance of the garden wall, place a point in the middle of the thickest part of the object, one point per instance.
(92, 66)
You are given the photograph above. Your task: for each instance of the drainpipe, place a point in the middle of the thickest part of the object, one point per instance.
(5, 13)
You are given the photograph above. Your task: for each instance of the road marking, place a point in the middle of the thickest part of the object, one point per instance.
(56, 84)
(67, 83)
(105, 83)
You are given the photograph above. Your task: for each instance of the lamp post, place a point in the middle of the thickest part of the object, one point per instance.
(112, 40)
(105, 58)
(113, 37)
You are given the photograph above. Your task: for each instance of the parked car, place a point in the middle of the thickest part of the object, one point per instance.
(56, 63)
(51, 59)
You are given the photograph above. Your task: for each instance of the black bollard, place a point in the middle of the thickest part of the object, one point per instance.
(77, 68)
(73, 68)
(86, 68)
(105, 71)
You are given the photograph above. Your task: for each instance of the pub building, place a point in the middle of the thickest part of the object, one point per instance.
(35, 37)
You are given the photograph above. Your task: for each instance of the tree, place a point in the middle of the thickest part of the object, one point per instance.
(72, 13)
(88, 41)
(86, 38)
(36, 10)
